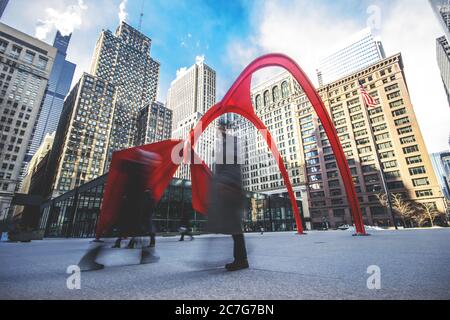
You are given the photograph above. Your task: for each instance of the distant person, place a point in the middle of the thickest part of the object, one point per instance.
(226, 202)
(262, 230)
(324, 223)
(184, 228)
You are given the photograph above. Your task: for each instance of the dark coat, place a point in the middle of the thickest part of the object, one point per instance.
(226, 201)
(137, 205)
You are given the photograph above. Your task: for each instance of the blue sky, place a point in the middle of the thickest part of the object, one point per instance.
(230, 34)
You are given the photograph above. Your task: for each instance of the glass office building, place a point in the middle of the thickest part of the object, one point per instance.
(357, 52)
(58, 88)
(75, 213)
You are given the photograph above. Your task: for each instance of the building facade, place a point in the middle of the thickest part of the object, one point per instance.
(275, 103)
(80, 150)
(443, 59)
(25, 65)
(3, 4)
(154, 124)
(395, 135)
(58, 87)
(442, 10)
(189, 97)
(441, 165)
(358, 51)
(123, 59)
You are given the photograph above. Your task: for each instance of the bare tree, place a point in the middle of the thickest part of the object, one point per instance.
(428, 213)
(404, 209)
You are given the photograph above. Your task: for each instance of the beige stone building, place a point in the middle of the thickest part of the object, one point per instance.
(25, 66)
(396, 135)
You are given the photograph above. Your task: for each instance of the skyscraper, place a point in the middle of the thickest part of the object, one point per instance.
(356, 53)
(3, 4)
(154, 124)
(442, 11)
(441, 165)
(275, 102)
(58, 88)
(25, 66)
(189, 97)
(389, 129)
(80, 150)
(443, 60)
(101, 113)
(123, 59)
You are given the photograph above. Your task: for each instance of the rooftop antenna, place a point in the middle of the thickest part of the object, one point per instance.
(142, 15)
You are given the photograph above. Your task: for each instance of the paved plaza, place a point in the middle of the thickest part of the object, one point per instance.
(414, 264)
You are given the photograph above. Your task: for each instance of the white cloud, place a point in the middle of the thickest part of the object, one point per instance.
(200, 59)
(305, 30)
(181, 72)
(123, 14)
(65, 21)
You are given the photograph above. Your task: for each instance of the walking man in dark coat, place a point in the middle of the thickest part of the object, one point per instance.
(226, 203)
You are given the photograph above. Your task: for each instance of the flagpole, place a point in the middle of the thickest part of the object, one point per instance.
(380, 165)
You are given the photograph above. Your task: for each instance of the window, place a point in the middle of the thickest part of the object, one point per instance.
(360, 133)
(369, 168)
(410, 149)
(3, 45)
(332, 174)
(414, 160)
(275, 94)
(421, 182)
(395, 185)
(362, 141)
(355, 109)
(392, 175)
(258, 101)
(405, 130)
(377, 119)
(333, 183)
(42, 63)
(285, 90)
(401, 121)
(393, 95)
(384, 145)
(16, 50)
(424, 193)
(417, 170)
(390, 164)
(396, 103)
(408, 139)
(358, 125)
(29, 57)
(382, 136)
(387, 154)
(338, 115)
(391, 87)
(371, 178)
(364, 150)
(380, 127)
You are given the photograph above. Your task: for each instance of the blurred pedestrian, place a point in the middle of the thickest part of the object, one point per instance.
(138, 205)
(226, 203)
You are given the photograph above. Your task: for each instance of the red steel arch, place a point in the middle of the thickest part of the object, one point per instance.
(237, 100)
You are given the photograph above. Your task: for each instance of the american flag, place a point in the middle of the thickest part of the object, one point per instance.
(368, 99)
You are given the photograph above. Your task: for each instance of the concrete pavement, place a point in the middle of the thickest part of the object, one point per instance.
(414, 264)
